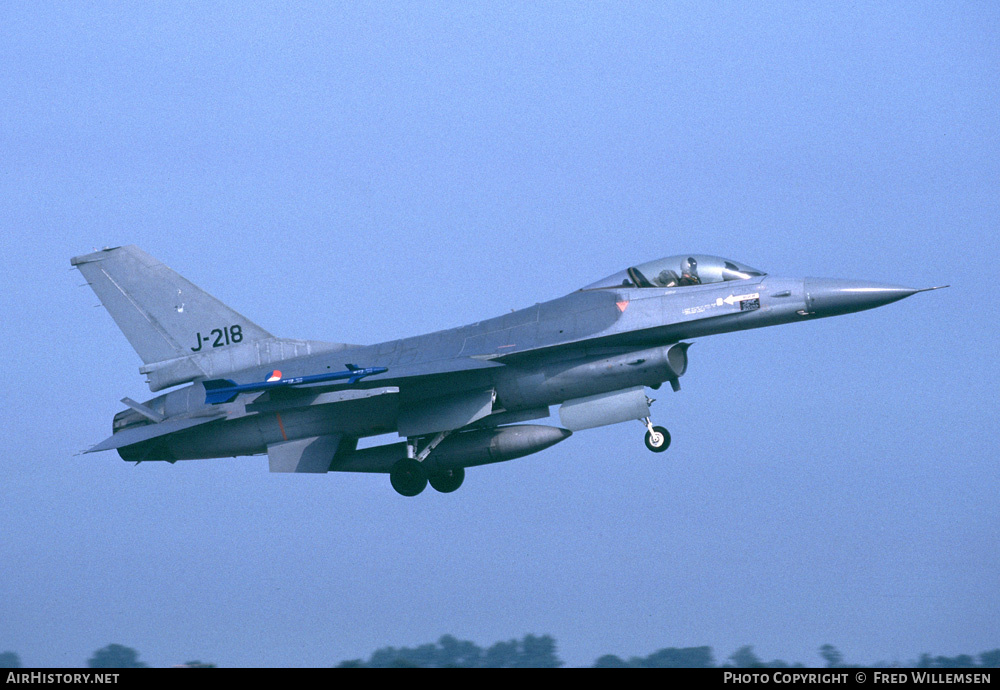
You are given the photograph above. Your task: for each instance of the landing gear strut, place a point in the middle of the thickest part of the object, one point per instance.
(409, 475)
(657, 437)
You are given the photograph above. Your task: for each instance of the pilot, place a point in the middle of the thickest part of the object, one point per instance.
(689, 273)
(667, 278)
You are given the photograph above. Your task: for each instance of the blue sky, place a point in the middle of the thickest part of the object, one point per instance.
(366, 171)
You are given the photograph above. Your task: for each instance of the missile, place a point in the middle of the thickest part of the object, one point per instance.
(219, 391)
(462, 449)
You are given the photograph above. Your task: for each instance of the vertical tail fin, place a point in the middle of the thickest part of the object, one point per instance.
(181, 332)
(163, 315)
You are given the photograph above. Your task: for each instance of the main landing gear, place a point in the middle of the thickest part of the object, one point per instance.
(409, 476)
(447, 482)
(657, 437)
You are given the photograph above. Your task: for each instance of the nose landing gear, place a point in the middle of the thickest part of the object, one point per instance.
(657, 437)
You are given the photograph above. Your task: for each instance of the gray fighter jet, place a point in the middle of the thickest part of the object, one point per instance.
(457, 398)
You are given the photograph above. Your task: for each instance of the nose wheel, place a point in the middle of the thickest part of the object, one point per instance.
(657, 437)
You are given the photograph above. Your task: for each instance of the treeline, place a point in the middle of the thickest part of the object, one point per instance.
(540, 652)
(112, 656)
(448, 652)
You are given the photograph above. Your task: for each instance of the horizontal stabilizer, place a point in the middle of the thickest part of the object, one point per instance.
(138, 434)
(147, 412)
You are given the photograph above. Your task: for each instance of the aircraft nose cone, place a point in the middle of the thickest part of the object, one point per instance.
(829, 297)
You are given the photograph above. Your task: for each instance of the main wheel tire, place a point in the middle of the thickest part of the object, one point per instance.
(408, 477)
(448, 481)
(659, 440)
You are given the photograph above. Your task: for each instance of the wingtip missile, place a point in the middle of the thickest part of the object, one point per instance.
(218, 391)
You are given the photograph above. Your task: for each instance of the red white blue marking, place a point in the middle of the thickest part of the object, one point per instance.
(219, 391)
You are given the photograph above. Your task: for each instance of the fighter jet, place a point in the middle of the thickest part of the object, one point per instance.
(456, 398)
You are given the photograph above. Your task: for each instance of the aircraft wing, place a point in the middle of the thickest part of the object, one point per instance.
(278, 400)
(444, 366)
(610, 344)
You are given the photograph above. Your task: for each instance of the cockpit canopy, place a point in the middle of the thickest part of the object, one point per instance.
(679, 271)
